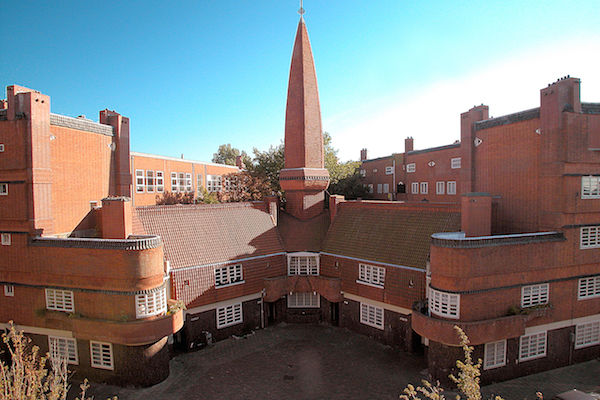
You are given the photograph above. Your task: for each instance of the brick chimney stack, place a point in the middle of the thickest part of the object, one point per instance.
(117, 218)
(476, 214)
(120, 146)
(363, 154)
(409, 144)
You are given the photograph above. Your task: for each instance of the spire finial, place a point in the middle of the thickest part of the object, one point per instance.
(301, 10)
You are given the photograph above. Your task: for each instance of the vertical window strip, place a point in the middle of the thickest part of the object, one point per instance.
(415, 188)
(139, 181)
(174, 186)
(149, 181)
(451, 187)
(160, 182)
(439, 187)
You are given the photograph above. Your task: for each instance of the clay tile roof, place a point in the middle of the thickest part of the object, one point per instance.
(205, 234)
(301, 235)
(387, 234)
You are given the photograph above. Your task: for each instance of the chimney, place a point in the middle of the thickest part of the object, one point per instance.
(476, 214)
(409, 144)
(239, 163)
(120, 146)
(3, 104)
(467, 146)
(363, 154)
(116, 218)
(334, 202)
(272, 208)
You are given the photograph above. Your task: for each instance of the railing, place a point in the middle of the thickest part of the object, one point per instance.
(459, 240)
(134, 243)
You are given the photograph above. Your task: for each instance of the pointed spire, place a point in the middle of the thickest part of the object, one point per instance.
(303, 134)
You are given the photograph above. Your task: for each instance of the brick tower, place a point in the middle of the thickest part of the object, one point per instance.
(304, 177)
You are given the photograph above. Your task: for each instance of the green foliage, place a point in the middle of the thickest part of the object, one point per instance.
(244, 187)
(267, 165)
(27, 377)
(207, 197)
(344, 177)
(227, 155)
(169, 198)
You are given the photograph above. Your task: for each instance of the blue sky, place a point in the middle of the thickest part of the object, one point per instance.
(195, 74)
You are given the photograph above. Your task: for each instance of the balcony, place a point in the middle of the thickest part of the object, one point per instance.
(130, 333)
(479, 332)
(277, 287)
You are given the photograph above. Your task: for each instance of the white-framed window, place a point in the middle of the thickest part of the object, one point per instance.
(587, 334)
(181, 181)
(229, 315)
(229, 183)
(414, 188)
(494, 354)
(3, 189)
(444, 304)
(149, 304)
(374, 170)
(451, 187)
(532, 346)
(102, 355)
(589, 237)
(9, 290)
(174, 185)
(370, 188)
(386, 188)
(533, 295)
(160, 182)
(412, 167)
(150, 181)
(303, 264)
(6, 239)
(590, 187)
(455, 163)
(371, 274)
(303, 300)
(139, 181)
(60, 300)
(62, 348)
(379, 188)
(228, 275)
(1, 147)
(439, 187)
(589, 287)
(363, 172)
(389, 170)
(371, 315)
(214, 183)
(424, 187)
(188, 182)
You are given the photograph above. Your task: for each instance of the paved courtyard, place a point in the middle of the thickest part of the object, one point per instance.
(319, 362)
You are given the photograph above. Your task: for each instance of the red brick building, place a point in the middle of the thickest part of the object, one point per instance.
(498, 233)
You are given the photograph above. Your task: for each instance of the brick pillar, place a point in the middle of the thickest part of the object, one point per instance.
(334, 203)
(121, 170)
(476, 214)
(273, 208)
(409, 144)
(363, 154)
(117, 217)
(467, 146)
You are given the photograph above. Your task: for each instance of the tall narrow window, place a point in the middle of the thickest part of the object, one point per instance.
(174, 186)
(439, 187)
(102, 355)
(9, 290)
(199, 184)
(3, 189)
(494, 355)
(160, 182)
(6, 239)
(379, 188)
(1, 147)
(414, 188)
(386, 188)
(150, 181)
(451, 187)
(188, 182)
(424, 187)
(139, 181)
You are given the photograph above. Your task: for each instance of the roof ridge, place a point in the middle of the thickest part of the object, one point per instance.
(201, 206)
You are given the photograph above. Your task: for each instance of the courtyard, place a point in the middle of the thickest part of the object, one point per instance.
(291, 361)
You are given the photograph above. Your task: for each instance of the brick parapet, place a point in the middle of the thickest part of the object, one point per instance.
(80, 124)
(134, 243)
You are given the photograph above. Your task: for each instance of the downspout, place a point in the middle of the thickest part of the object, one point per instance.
(394, 179)
(262, 309)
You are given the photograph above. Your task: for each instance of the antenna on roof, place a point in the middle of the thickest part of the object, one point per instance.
(301, 10)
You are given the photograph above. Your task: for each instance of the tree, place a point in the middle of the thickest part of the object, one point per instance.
(227, 155)
(343, 177)
(170, 198)
(27, 377)
(267, 165)
(243, 186)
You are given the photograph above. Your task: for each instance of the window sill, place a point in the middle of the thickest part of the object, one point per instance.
(229, 284)
(369, 284)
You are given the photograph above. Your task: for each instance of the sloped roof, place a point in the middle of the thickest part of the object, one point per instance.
(205, 234)
(298, 235)
(388, 233)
